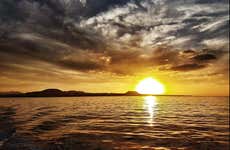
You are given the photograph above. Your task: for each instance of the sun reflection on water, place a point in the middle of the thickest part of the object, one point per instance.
(151, 106)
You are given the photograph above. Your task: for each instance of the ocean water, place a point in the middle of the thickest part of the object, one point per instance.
(107, 123)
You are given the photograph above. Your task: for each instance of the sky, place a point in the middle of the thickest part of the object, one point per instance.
(110, 45)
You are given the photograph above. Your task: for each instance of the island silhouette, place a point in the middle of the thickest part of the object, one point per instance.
(72, 93)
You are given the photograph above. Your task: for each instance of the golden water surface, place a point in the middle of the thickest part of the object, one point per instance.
(104, 123)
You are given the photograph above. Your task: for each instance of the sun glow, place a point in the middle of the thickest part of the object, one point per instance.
(150, 86)
(151, 106)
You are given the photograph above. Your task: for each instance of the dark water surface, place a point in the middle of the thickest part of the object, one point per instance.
(104, 123)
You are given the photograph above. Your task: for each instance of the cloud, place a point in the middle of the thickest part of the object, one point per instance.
(82, 66)
(204, 57)
(162, 22)
(189, 51)
(187, 67)
(28, 47)
(113, 36)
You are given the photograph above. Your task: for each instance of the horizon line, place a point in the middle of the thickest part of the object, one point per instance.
(8, 93)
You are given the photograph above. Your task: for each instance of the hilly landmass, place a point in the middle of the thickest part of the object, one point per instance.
(60, 93)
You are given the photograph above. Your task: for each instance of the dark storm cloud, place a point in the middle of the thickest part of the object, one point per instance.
(204, 57)
(186, 60)
(113, 35)
(189, 51)
(81, 65)
(51, 19)
(59, 9)
(187, 67)
(9, 10)
(30, 48)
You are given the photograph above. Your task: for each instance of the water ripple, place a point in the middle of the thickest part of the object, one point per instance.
(98, 123)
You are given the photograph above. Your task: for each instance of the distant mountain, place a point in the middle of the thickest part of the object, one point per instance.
(132, 93)
(60, 93)
(53, 93)
(45, 93)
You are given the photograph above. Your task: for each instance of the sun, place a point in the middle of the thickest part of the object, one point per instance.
(150, 86)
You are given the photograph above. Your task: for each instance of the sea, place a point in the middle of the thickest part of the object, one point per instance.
(115, 123)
